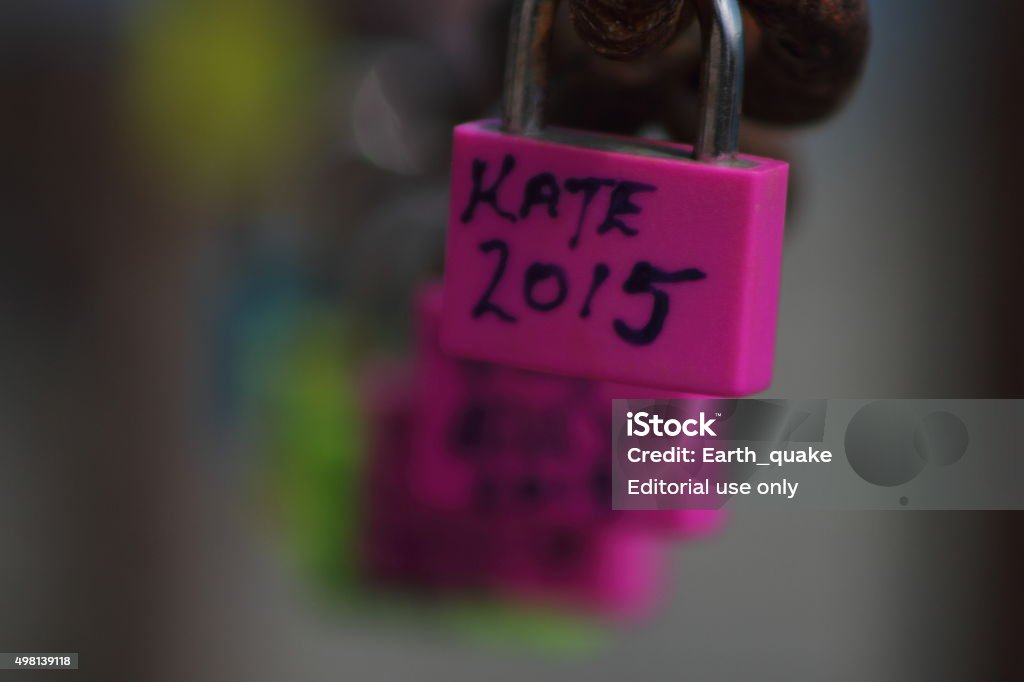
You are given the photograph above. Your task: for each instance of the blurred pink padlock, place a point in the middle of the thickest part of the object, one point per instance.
(503, 444)
(596, 568)
(641, 262)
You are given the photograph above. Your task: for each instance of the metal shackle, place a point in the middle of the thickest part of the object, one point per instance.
(721, 86)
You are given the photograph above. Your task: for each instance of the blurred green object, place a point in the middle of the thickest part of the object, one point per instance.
(316, 441)
(487, 621)
(541, 629)
(317, 444)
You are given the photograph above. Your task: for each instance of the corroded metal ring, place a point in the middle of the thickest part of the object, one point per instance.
(626, 29)
(806, 55)
(810, 57)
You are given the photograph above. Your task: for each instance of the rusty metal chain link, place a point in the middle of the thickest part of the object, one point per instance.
(805, 56)
(809, 57)
(620, 29)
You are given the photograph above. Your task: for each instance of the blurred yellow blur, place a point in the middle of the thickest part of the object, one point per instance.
(220, 91)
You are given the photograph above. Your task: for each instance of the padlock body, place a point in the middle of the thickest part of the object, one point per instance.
(406, 543)
(605, 258)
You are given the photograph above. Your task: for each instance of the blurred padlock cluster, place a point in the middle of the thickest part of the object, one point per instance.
(430, 484)
(492, 479)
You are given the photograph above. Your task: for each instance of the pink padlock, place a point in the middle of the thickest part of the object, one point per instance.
(640, 262)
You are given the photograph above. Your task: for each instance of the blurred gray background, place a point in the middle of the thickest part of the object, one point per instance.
(900, 281)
